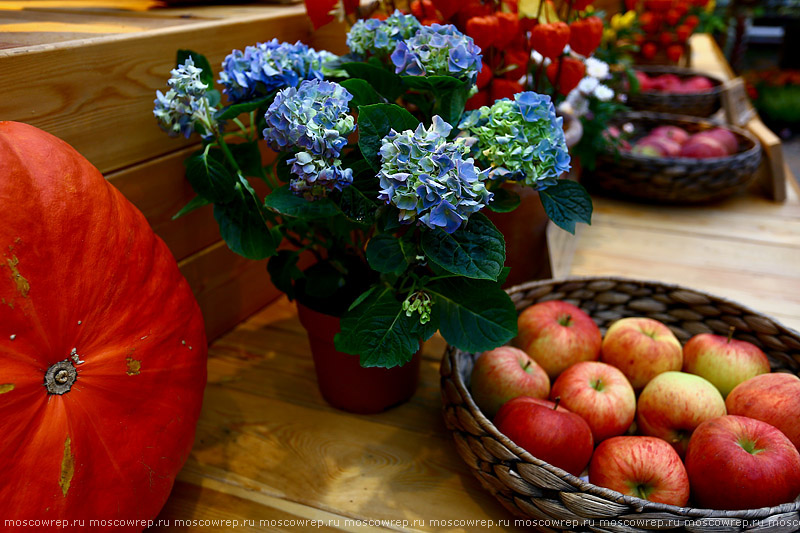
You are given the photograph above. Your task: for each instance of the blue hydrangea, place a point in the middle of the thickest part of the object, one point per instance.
(185, 108)
(267, 67)
(429, 179)
(522, 140)
(438, 49)
(374, 36)
(315, 177)
(313, 117)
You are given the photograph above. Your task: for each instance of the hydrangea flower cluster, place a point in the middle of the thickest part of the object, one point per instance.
(438, 49)
(429, 179)
(185, 108)
(312, 118)
(269, 66)
(522, 140)
(374, 36)
(577, 101)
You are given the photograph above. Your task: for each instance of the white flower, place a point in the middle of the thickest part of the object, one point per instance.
(628, 127)
(539, 59)
(603, 93)
(587, 85)
(565, 108)
(596, 68)
(577, 102)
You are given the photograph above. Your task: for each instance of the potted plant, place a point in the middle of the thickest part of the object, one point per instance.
(372, 218)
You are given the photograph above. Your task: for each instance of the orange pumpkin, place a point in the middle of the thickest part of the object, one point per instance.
(102, 344)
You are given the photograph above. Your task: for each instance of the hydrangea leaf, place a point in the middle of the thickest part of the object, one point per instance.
(356, 206)
(473, 315)
(210, 177)
(567, 203)
(386, 254)
(374, 123)
(379, 331)
(283, 271)
(195, 203)
(476, 250)
(363, 93)
(504, 201)
(383, 81)
(234, 110)
(242, 226)
(283, 201)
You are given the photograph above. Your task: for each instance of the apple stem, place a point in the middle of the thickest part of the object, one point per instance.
(527, 364)
(730, 333)
(556, 401)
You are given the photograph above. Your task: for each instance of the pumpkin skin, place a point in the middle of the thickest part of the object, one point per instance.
(82, 273)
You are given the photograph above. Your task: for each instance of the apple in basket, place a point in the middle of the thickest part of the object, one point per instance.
(557, 334)
(643, 467)
(601, 394)
(656, 146)
(772, 398)
(673, 133)
(641, 348)
(548, 432)
(735, 462)
(723, 136)
(504, 373)
(723, 361)
(673, 404)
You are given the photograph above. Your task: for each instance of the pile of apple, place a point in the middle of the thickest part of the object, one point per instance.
(671, 84)
(705, 422)
(674, 141)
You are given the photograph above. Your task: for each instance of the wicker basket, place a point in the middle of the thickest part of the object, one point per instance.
(544, 494)
(702, 104)
(676, 180)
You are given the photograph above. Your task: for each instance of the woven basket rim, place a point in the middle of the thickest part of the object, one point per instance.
(632, 116)
(585, 486)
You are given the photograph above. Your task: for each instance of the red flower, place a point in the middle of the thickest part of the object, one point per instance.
(483, 30)
(479, 99)
(692, 21)
(447, 8)
(425, 9)
(550, 39)
(585, 35)
(484, 76)
(674, 52)
(673, 16)
(504, 89)
(508, 29)
(659, 5)
(682, 32)
(665, 38)
(518, 58)
(580, 5)
(571, 73)
(649, 50)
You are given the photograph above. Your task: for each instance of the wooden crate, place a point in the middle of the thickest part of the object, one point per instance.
(87, 71)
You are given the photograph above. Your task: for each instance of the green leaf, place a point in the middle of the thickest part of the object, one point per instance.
(364, 295)
(248, 156)
(382, 80)
(436, 84)
(450, 105)
(283, 201)
(473, 315)
(504, 201)
(356, 206)
(374, 123)
(196, 203)
(234, 110)
(282, 170)
(566, 203)
(200, 61)
(476, 250)
(450, 94)
(363, 93)
(210, 177)
(214, 97)
(386, 255)
(242, 226)
(379, 331)
(283, 271)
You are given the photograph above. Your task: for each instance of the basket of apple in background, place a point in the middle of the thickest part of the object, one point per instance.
(673, 159)
(675, 90)
(631, 405)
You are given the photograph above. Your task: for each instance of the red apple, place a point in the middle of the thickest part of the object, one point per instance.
(642, 467)
(696, 84)
(723, 136)
(641, 348)
(558, 334)
(673, 404)
(673, 133)
(666, 83)
(723, 361)
(599, 393)
(735, 462)
(700, 147)
(645, 83)
(555, 435)
(504, 373)
(772, 398)
(657, 146)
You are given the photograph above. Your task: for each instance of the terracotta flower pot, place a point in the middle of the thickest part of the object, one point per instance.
(343, 382)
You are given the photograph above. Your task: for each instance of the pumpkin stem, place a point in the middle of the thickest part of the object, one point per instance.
(59, 378)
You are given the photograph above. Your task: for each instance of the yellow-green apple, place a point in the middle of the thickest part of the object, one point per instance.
(772, 398)
(640, 466)
(723, 361)
(557, 334)
(673, 404)
(735, 462)
(504, 373)
(600, 394)
(641, 348)
(548, 432)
